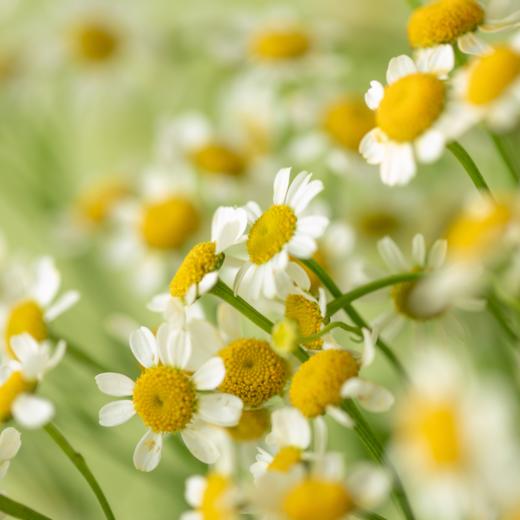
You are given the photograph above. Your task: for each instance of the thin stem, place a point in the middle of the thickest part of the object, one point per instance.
(354, 315)
(368, 438)
(335, 305)
(16, 510)
(503, 151)
(496, 310)
(369, 515)
(78, 461)
(469, 165)
(328, 328)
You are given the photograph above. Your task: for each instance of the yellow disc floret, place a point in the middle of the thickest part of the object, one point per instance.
(492, 75)
(254, 372)
(200, 261)
(347, 121)
(410, 106)
(169, 223)
(270, 233)
(285, 459)
(253, 425)
(94, 42)
(25, 317)
(312, 499)
(218, 158)
(280, 44)
(443, 21)
(14, 386)
(96, 202)
(165, 398)
(318, 381)
(307, 314)
(216, 504)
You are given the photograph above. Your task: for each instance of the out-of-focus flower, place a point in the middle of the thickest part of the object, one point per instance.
(10, 443)
(19, 381)
(278, 232)
(413, 115)
(168, 398)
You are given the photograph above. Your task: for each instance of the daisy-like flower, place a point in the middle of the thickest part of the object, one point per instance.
(321, 383)
(278, 232)
(10, 442)
(19, 381)
(413, 115)
(325, 491)
(440, 22)
(168, 398)
(488, 88)
(36, 304)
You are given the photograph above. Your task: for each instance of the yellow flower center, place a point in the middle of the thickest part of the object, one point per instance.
(218, 158)
(410, 106)
(25, 317)
(94, 205)
(492, 75)
(215, 503)
(476, 231)
(254, 372)
(200, 261)
(433, 428)
(285, 336)
(347, 121)
(317, 382)
(94, 42)
(307, 315)
(270, 233)
(14, 386)
(443, 21)
(285, 459)
(253, 425)
(168, 224)
(313, 498)
(165, 398)
(280, 44)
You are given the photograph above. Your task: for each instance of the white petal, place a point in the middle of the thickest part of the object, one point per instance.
(178, 349)
(320, 436)
(438, 60)
(392, 255)
(61, 305)
(205, 342)
(144, 347)
(469, 43)
(301, 200)
(58, 355)
(429, 146)
(398, 164)
(340, 416)
(210, 374)
(372, 397)
(298, 275)
(437, 254)
(228, 227)
(24, 346)
(280, 185)
(373, 146)
(4, 467)
(369, 484)
(419, 249)
(510, 21)
(313, 226)
(116, 412)
(289, 428)
(298, 184)
(302, 246)
(195, 487)
(201, 445)
(147, 454)
(220, 409)
(117, 385)
(10, 442)
(47, 283)
(32, 411)
(399, 67)
(207, 283)
(228, 320)
(159, 302)
(369, 348)
(374, 95)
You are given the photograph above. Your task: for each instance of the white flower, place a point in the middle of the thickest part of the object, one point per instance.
(168, 398)
(413, 115)
(278, 232)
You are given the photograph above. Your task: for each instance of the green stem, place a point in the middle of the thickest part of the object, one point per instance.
(370, 441)
(16, 510)
(358, 320)
(78, 461)
(335, 305)
(496, 310)
(469, 165)
(369, 515)
(328, 328)
(503, 151)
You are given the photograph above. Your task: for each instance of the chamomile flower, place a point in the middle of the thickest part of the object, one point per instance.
(278, 232)
(19, 381)
(168, 398)
(325, 491)
(320, 384)
(488, 88)
(413, 115)
(35, 305)
(440, 22)
(10, 443)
